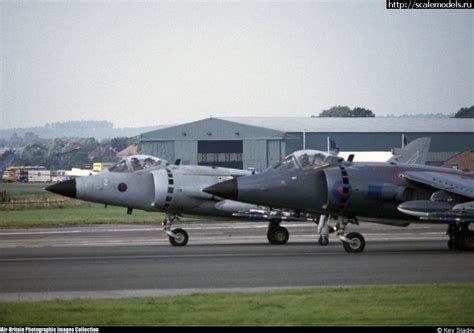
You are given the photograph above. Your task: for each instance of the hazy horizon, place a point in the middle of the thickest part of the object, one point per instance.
(424, 116)
(139, 64)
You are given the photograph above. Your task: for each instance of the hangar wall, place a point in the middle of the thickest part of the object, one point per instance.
(163, 149)
(440, 142)
(262, 147)
(443, 145)
(276, 151)
(186, 150)
(183, 142)
(254, 154)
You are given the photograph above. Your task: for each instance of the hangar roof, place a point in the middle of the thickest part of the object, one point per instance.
(372, 125)
(212, 129)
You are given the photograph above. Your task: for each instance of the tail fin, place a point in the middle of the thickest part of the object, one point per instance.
(416, 152)
(333, 148)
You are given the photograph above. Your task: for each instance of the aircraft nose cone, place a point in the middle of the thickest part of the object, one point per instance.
(227, 189)
(66, 188)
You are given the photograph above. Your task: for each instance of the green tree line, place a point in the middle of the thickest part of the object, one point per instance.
(79, 153)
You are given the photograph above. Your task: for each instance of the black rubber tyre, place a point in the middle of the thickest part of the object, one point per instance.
(270, 238)
(452, 244)
(323, 241)
(465, 240)
(181, 238)
(278, 235)
(356, 243)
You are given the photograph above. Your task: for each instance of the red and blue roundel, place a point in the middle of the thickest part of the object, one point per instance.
(341, 191)
(122, 187)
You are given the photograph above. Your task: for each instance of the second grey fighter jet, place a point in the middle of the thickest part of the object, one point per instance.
(389, 193)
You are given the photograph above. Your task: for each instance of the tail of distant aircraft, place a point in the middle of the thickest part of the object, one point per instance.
(416, 152)
(333, 148)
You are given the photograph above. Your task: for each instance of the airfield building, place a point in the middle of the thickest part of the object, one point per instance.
(258, 142)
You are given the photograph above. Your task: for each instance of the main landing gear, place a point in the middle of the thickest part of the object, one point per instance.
(353, 242)
(276, 234)
(177, 237)
(460, 237)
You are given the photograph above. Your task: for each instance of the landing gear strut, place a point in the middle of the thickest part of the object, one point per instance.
(353, 242)
(177, 237)
(323, 230)
(460, 237)
(277, 234)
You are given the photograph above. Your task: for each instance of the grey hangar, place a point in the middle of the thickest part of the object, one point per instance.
(258, 142)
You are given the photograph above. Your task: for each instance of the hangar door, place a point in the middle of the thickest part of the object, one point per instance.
(226, 153)
(273, 152)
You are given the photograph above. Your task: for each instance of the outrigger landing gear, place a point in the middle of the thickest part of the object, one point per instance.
(177, 237)
(353, 242)
(276, 234)
(460, 237)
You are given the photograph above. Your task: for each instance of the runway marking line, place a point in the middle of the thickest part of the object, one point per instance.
(223, 255)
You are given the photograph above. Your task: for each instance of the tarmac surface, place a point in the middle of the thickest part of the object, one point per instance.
(112, 261)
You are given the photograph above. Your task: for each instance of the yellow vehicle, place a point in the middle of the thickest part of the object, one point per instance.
(11, 174)
(98, 167)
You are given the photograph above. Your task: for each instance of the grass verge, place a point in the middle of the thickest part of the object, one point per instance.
(39, 212)
(417, 305)
(83, 213)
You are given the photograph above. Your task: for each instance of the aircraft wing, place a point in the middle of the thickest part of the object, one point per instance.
(458, 184)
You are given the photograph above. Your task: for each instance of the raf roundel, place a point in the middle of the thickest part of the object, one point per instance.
(122, 187)
(341, 190)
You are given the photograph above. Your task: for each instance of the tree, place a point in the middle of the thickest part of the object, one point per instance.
(361, 112)
(80, 158)
(16, 140)
(30, 137)
(345, 111)
(336, 111)
(465, 113)
(55, 152)
(35, 153)
(56, 146)
(119, 143)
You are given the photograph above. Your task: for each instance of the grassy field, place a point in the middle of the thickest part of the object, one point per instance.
(35, 212)
(83, 213)
(19, 196)
(26, 189)
(38, 207)
(420, 305)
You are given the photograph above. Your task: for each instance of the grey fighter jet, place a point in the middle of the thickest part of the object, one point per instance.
(152, 184)
(395, 193)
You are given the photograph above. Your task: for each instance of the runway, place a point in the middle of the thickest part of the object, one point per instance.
(137, 260)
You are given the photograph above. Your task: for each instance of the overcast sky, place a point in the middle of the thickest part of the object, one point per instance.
(151, 63)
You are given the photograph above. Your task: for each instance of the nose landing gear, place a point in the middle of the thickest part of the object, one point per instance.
(177, 237)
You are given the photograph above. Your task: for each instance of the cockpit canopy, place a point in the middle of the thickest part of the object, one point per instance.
(307, 159)
(137, 162)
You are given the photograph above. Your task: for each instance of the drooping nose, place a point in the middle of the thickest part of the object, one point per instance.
(66, 188)
(227, 189)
